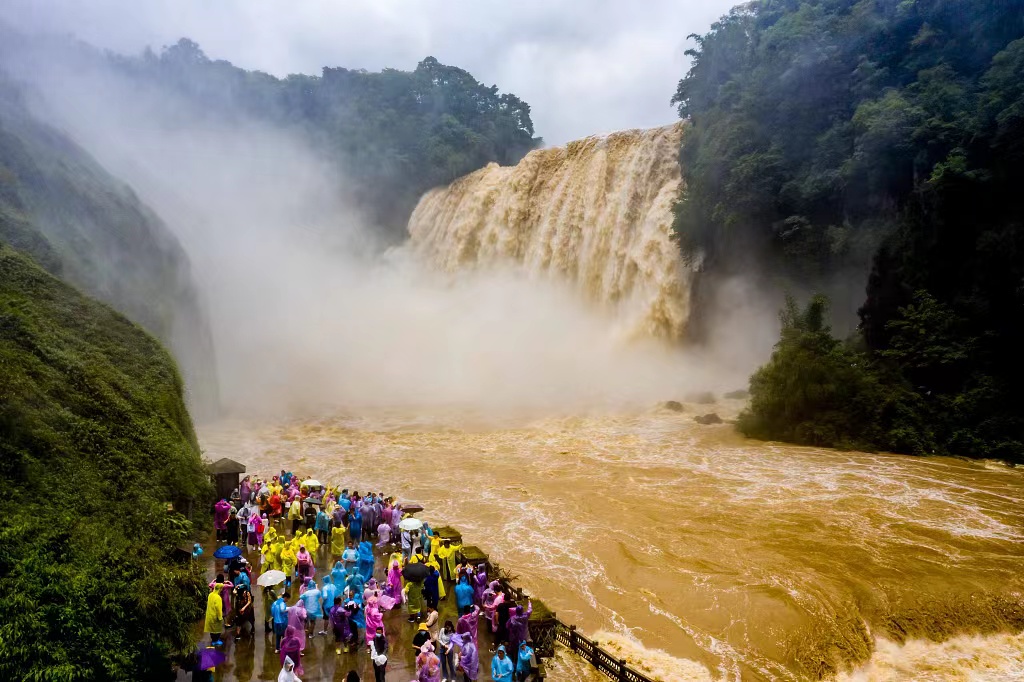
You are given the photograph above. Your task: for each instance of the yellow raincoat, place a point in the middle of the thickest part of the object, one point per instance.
(446, 555)
(337, 540)
(272, 551)
(440, 582)
(288, 561)
(312, 543)
(295, 511)
(215, 611)
(269, 535)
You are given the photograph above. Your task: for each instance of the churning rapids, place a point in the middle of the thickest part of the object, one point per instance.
(738, 559)
(686, 548)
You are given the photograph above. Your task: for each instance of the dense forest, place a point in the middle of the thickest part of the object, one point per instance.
(829, 133)
(394, 134)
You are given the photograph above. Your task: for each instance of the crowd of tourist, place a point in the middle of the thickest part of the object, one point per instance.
(292, 522)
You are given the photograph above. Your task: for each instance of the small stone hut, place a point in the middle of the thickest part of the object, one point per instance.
(225, 474)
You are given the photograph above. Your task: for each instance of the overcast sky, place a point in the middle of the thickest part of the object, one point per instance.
(584, 66)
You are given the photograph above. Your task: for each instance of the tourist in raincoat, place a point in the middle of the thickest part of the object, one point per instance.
(501, 666)
(269, 532)
(374, 618)
(430, 587)
(253, 528)
(428, 665)
(304, 563)
(365, 567)
(312, 542)
(469, 660)
(524, 661)
(311, 599)
(221, 512)
(519, 626)
(288, 672)
(295, 516)
(406, 544)
(383, 534)
(328, 591)
(269, 597)
(225, 595)
(338, 575)
(355, 527)
(279, 612)
(214, 624)
(276, 503)
(292, 646)
(288, 562)
(469, 624)
(480, 584)
(341, 626)
(464, 595)
(394, 586)
(337, 541)
(297, 620)
(446, 558)
(350, 557)
(272, 560)
(493, 596)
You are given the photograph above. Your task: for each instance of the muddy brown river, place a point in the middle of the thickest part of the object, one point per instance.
(696, 553)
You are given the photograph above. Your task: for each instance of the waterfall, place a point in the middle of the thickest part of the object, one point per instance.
(596, 213)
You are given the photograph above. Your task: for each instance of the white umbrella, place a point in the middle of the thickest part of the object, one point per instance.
(410, 524)
(271, 578)
(311, 483)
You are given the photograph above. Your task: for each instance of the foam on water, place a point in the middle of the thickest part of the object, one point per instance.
(993, 658)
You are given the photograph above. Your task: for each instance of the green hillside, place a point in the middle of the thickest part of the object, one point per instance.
(96, 443)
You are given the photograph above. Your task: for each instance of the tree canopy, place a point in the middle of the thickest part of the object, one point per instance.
(833, 133)
(394, 133)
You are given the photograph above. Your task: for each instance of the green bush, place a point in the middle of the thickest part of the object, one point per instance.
(95, 444)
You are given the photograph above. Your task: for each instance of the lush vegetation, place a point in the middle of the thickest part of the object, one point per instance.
(830, 133)
(394, 134)
(95, 444)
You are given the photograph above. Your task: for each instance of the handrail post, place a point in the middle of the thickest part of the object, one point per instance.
(622, 670)
(595, 656)
(573, 644)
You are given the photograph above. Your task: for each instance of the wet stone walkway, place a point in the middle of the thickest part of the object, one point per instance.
(254, 658)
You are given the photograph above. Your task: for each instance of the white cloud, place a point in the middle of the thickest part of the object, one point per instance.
(584, 67)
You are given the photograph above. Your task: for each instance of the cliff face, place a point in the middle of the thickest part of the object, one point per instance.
(81, 224)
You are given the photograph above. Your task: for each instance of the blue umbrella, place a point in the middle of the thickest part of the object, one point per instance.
(227, 552)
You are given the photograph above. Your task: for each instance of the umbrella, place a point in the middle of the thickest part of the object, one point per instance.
(410, 524)
(227, 552)
(416, 572)
(271, 578)
(411, 508)
(209, 658)
(312, 483)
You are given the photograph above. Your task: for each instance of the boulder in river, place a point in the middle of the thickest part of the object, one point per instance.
(741, 394)
(673, 405)
(711, 418)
